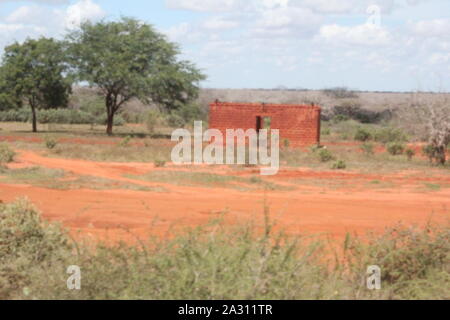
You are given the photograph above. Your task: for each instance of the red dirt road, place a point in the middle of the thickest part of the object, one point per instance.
(124, 214)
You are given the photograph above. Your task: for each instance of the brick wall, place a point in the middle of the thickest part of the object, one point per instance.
(300, 124)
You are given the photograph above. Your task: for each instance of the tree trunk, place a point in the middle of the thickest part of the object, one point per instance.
(442, 156)
(110, 124)
(33, 111)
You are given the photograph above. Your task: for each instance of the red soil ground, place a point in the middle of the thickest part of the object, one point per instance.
(126, 214)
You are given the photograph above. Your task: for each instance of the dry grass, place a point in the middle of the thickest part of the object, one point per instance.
(247, 262)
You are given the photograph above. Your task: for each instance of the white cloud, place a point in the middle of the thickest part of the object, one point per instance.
(202, 5)
(33, 21)
(82, 11)
(51, 2)
(218, 23)
(364, 35)
(432, 28)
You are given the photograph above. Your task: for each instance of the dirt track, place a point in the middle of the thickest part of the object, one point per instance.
(123, 214)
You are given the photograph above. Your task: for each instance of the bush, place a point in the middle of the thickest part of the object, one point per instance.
(434, 154)
(340, 118)
(152, 119)
(326, 131)
(339, 165)
(160, 163)
(286, 143)
(395, 148)
(325, 155)
(340, 93)
(185, 115)
(363, 135)
(6, 154)
(175, 121)
(409, 258)
(353, 110)
(59, 116)
(50, 143)
(125, 142)
(389, 135)
(410, 153)
(368, 148)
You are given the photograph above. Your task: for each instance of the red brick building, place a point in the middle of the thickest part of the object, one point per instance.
(300, 124)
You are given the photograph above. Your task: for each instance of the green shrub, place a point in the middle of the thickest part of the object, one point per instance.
(389, 135)
(174, 120)
(395, 148)
(434, 154)
(368, 148)
(409, 258)
(339, 165)
(363, 135)
(125, 142)
(59, 116)
(6, 154)
(326, 131)
(160, 163)
(50, 143)
(325, 155)
(152, 120)
(286, 143)
(340, 118)
(410, 153)
(315, 148)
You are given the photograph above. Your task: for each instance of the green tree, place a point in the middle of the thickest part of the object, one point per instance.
(35, 72)
(128, 59)
(7, 99)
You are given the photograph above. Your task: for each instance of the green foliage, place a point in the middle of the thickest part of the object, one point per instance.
(152, 119)
(50, 143)
(363, 135)
(174, 120)
(339, 165)
(129, 59)
(185, 115)
(340, 118)
(286, 143)
(125, 142)
(352, 109)
(58, 116)
(434, 154)
(325, 155)
(414, 262)
(368, 148)
(27, 245)
(410, 153)
(6, 154)
(326, 131)
(388, 135)
(396, 148)
(35, 72)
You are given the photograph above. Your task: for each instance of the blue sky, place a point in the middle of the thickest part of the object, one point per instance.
(386, 45)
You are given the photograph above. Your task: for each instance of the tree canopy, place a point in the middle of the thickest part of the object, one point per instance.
(34, 72)
(129, 59)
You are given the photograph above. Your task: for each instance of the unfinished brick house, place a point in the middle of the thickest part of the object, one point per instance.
(299, 124)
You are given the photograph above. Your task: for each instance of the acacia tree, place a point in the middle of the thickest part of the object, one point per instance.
(7, 99)
(128, 59)
(34, 72)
